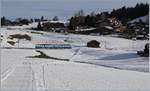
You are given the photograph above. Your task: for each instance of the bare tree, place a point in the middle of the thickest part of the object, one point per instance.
(80, 13)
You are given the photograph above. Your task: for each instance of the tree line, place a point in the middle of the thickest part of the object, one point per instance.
(129, 13)
(23, 21)
(123, 14)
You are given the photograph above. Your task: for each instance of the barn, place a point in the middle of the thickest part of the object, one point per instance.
(52, 44)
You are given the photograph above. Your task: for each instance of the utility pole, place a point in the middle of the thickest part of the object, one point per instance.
(18, 43)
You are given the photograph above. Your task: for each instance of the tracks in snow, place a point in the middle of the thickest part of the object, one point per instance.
(8, 72)
(18, 78)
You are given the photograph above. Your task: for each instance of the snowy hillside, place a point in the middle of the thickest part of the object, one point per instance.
(143, 18)
(114, 66)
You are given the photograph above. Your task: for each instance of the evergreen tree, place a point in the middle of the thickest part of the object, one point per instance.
(31, 20)
(90, 21)
(42, 18)
(72, 24)
(55, 18)
(3, 21)
(39, 27)
(24, 21)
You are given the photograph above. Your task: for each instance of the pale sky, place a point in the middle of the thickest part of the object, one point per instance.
(61, 8)
(84, 0)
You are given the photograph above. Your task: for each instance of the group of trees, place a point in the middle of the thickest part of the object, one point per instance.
(23, 21)
(128, 13)
(123, 14)
(89, 20)
(55, 18)
(39, 26)
(18, 21)
(5, 21)
(82, 21)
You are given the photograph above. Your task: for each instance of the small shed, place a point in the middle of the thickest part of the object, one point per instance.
(93, 44)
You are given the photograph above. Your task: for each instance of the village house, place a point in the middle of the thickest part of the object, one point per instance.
(103, 27)
(54, 26)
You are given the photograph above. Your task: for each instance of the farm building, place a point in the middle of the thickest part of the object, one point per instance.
(52, 44)
(93, 44)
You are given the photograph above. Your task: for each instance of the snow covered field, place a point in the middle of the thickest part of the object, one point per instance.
(114, 66)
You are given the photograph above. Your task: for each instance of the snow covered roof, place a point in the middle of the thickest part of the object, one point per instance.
(52, 41)
(87, 29)
(108, 27)
(143, 18)
(55, 22)
(23, 27)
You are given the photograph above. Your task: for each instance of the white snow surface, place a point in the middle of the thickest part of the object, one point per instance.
(114, 66)
(143, 18)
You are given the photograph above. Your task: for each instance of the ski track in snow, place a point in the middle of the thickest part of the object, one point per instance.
(6, 73)
(20, 78)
